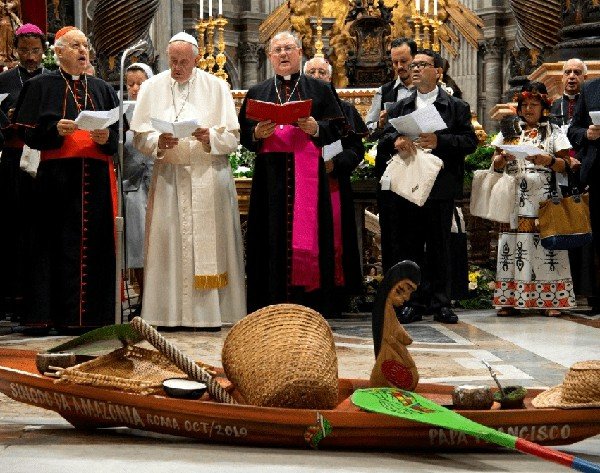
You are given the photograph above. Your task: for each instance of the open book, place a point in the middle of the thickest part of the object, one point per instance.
(284, 114)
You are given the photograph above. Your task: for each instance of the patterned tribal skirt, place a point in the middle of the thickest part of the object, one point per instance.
(528, 276)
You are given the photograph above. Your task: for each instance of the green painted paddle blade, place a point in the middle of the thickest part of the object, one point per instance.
(103, 338)
(411, 406)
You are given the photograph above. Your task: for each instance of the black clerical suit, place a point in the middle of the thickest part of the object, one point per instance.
(581, 259)
(344, 165)
(588, 151)
(73, 275)
(16, 188)
(406, 229)
(270, 215)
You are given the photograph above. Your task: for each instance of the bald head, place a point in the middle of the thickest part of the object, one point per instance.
(318, 68)
(574, 73)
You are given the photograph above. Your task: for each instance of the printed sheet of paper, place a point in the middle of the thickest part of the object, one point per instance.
(181, 129)
(521, 151)
(331, 150)
(284, 114)
(423, 120)
(2, 97)
(98, 119)
(595, 117)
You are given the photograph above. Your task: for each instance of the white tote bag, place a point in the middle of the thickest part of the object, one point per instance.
(481, 190)
(502, 199)
(412, 177)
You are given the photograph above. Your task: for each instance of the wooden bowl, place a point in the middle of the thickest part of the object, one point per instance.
(43, 361)
(184, 388)
(472, 397)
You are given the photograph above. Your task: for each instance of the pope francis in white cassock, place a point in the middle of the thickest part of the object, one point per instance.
(194, 268)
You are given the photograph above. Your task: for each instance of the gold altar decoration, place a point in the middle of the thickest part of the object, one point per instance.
(206, 47)
(295, 15)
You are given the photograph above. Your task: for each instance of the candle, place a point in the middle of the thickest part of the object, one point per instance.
(418, 5)
(220, 7)
(426, 6)
(435, 3)
(210, 8)
(201, 9)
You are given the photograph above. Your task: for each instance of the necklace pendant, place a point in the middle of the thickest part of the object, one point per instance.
(281, 127)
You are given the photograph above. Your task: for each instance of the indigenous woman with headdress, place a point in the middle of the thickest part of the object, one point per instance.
(528, 276)
(73, 274)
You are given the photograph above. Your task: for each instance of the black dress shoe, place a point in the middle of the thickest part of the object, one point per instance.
(445, 315)
(409, 314)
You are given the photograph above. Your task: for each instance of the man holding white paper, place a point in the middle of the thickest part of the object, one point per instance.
(422, 234)
(194, 268)
(73, 274)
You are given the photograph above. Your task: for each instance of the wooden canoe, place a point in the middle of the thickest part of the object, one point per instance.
(92, 407)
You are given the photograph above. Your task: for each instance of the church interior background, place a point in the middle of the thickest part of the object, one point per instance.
(492, 46)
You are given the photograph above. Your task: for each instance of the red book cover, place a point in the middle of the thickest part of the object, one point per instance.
(284, 114)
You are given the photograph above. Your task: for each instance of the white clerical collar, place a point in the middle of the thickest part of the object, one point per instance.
(287, 77)
(400, 83)
(429, 95)
(571, 97)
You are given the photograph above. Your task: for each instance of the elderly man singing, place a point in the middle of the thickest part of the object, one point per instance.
(290, 249)
(194, 273)
(73, 274)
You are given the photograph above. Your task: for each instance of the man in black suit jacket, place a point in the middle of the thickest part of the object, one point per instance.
(585, 138)
(402, 51)
(406, 229)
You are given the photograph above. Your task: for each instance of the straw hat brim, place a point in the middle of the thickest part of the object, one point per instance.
(553, 398)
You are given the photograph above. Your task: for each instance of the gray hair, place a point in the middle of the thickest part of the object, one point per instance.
(329, 68)
(195, 49)
(286, 34)
(582, 63)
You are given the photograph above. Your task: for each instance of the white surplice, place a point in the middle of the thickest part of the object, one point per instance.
(194, 268)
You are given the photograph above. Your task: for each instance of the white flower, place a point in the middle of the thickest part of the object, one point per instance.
(472, 286)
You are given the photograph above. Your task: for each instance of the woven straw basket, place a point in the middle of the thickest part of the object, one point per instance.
(581, 388)
(131, 369)
(283, 356)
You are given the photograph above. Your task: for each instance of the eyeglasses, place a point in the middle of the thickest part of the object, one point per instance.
(287, 49)
(420, 65)
(26, 52)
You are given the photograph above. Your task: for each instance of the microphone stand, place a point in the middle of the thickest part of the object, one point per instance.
(121, 266)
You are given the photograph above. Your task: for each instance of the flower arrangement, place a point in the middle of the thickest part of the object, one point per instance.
(481, 289)
(242, 162)
(366, 168)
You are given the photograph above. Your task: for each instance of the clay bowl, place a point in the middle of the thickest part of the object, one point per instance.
(43, 361)
(513, 398)
(184, 388)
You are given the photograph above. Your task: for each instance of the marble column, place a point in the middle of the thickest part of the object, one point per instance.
(493, 50)
(249, 57)
(167, 21)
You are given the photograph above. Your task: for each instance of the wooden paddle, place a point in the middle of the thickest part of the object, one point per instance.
(408, 405)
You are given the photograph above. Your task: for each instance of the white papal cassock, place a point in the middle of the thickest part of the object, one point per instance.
(194, 268)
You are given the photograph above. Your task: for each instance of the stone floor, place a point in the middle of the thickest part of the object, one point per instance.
(533, 351)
